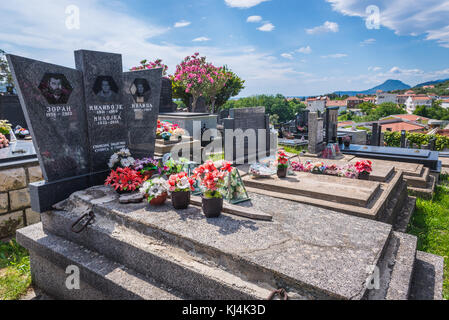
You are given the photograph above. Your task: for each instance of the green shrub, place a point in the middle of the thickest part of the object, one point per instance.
(393, 139)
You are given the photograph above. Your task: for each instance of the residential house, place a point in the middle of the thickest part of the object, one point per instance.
(402, 98)
(429, 87)
(341, 104)
(316, 104)
(353, 102)
(369, 99)
(413, 102)
(386, 97)
(445, 103)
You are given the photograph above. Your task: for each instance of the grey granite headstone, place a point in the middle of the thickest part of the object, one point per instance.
(141, 97)
(376, 135)
(52, 99)
(331, 124)
(316, 133)
(167, 105)
(103, 83)
(200, 107)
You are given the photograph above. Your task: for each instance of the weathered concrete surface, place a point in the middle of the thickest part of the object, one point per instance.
(330, 188)
(100, 278)
(305, 246)
(427, 283)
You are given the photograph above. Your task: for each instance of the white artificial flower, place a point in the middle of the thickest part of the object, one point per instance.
(125, 163)
(184, 183)
(131, 160)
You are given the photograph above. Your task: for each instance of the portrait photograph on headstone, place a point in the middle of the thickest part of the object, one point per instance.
(205, 153)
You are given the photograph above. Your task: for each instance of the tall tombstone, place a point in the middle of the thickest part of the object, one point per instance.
(331, 124)
(52, 100)
(316, 136)
(166, 102)
(302, 118)
(141, 97)
(375, 136)
(103, 83)
(201, 106)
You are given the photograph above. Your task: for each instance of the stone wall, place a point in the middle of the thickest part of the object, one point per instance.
(15, 207)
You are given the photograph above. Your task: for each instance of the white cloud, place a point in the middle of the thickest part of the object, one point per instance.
(424, 17)
(367, 42)
(305, 50)
(201, 39)
(335, 56)
(254, 19)
(375, 69)
(287, 56)
(326, 27)
(397, 70)
(244, 3)
(267, 27)
(182, 24)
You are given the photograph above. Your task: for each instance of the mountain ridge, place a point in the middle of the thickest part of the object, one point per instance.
(388, 85)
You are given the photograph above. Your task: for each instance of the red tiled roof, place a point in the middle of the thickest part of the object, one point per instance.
(345, 123)
(421, 98)
(399, 126)
(410, 117)
(336, 103)
(354, 98)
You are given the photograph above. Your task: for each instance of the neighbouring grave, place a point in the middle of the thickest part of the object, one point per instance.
(79, 118)
(11, 110)
(166, 102)
(316, 134)
(251, 139)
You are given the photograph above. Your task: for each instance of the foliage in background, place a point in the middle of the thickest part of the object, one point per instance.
(5, 73)
(15, 276)
(146, 65)
(436, 112)
(274, 105)
(373, 112)
(393, 139)
(430, 224)
(439, 90)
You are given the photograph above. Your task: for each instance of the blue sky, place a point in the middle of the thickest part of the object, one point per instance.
(293, 47)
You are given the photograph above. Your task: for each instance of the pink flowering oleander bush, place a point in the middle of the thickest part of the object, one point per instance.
(200, 78)
(348, 171)
(145, 64)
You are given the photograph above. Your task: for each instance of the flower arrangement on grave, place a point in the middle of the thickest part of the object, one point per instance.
(364, 169)
(167, 129)
(124, 180)
(156, 191)
(3, 141)
(121, 159)
(233, 188)
(171, 166)
(212, 180)
(180, 187)
(282, 164)
(5, 128)
(21, 133)
(148, 65)
(147, 167)
(200, 78)
(347, 171)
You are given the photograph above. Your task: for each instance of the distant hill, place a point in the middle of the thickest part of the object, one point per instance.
(429, 83)
(388, 85)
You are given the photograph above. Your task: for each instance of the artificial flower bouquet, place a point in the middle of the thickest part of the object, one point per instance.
(364, 169)
(156, 191)
(147, 167)
(121, 159)
(21, 133)
(180, 186)
(282, 164)
(124, 180)
(5, 127)
(3, 141)
(212, 180)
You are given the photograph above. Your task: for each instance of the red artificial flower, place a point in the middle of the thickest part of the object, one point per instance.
(125, 179)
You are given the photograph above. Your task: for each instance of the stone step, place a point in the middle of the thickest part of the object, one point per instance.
(100, 278)
(393, 206)
(173, 266)
(426, 192)
(420, 181)
(311, 252)
(403, 218)
(396, 268)
(427, 283)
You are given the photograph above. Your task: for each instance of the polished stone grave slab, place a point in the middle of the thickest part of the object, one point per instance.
(17, 151)
(424, 157)
(141, 97)
(52, 98)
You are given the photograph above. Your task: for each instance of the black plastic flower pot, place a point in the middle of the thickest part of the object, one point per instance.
(180, 200)
(282, 173)
(212, 207)
(364, 175)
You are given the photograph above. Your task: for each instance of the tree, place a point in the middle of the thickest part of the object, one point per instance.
(232, 88)
(200, 78)
(436, 112)
(367, 107)
(5, 73)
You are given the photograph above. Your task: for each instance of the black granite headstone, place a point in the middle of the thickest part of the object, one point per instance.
(302, 118)
(52, 99)
(11, 110)
(403, 139)
(167, 105)
(200, 107)
(141, 97)
(103, 83)
(331, 124)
